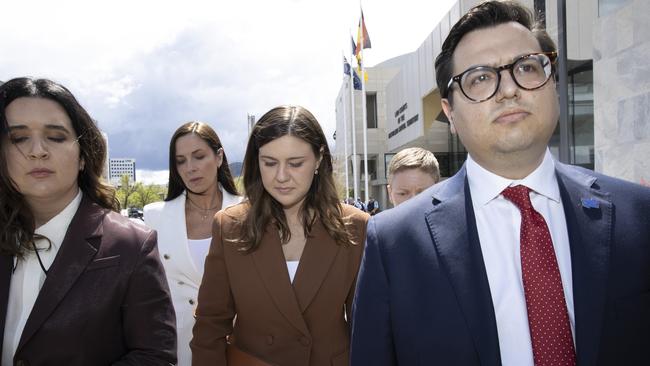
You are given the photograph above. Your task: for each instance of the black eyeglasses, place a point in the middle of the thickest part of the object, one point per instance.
(529, 72)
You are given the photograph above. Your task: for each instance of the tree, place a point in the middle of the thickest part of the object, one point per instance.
(146, 194)
(239, 184)
(125, 191)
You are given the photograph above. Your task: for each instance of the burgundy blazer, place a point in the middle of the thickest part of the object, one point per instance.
(303, 324)
(105, 300)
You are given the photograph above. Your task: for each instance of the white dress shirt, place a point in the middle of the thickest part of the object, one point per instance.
(28, 277)
(498, 222)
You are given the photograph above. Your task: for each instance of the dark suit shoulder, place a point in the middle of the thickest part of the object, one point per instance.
(121, 236)
(120, 225)
(616, 187)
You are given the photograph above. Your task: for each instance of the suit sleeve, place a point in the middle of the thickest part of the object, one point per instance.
(372, 337)
(215, 310)
(148, 317)
(360, 231)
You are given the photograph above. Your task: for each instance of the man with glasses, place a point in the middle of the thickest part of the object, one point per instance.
(517, 259)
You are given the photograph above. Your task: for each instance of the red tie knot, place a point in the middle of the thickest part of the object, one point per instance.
(519, 195)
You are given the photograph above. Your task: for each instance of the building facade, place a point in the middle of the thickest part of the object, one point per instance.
(121, 167)
(106, 173)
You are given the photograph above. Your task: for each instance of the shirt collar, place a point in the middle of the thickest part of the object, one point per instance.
(56, 228)
(485, 185)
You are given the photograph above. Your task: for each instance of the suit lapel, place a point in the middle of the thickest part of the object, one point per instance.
(460, 255)
(77, 250)
(179, 246)
(272, 269)
(6, 268)
(315, 262)
(590, 236)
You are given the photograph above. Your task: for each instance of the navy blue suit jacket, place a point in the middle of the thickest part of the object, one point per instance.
(423, 296)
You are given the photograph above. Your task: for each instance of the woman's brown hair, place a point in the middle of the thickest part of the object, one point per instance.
(207, 134)
(16, 218)
(321, 201)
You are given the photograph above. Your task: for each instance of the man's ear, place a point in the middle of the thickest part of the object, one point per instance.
(447, 108)
(389, 196)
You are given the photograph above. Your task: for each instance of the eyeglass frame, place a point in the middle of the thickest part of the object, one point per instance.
(552, 58)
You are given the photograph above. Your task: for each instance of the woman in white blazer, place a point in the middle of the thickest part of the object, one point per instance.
(200, 184)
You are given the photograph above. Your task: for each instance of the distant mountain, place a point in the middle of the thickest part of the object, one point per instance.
(235, 169)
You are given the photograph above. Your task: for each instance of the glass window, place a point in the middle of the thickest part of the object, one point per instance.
(372, 168)
(581, 115)
(606, 7)
(540, 11)
(371, 109)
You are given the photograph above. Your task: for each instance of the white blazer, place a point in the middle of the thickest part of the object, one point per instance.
(184, 278)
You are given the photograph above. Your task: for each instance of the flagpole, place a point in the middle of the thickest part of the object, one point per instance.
(365, 116)
(354, 133)
(345, 139)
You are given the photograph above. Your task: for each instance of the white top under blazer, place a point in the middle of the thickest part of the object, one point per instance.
(183, 276)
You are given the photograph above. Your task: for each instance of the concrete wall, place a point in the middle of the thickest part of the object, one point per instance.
(622, 92)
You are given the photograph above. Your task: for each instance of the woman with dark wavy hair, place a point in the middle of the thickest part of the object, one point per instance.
(283, 264)
(79, 284)
(200, 184)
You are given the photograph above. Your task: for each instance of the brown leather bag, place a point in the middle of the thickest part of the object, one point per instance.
(237, 357)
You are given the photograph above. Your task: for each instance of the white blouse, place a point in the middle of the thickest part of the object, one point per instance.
(199, 250)
(292, 266)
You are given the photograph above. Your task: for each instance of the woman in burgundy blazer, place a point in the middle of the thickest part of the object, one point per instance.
(79, 284)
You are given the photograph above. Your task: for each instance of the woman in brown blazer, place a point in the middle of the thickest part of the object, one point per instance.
(280, 275)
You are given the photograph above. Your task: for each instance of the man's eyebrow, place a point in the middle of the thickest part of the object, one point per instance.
(497, 64)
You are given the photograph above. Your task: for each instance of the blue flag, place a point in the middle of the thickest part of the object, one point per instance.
(346, 66)
(356, 81)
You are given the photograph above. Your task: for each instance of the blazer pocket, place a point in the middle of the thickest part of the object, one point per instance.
(342, 359)
(103, 263)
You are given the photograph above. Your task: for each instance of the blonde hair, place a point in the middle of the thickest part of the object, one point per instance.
(414, 158)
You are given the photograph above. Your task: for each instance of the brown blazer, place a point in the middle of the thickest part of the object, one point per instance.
(283, 324)
(105, 299)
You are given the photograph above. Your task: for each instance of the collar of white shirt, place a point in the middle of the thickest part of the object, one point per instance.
(56, 228)
(486, 186)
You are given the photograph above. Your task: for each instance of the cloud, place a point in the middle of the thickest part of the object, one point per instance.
(143, 68)
(159, 177)
(202, 75)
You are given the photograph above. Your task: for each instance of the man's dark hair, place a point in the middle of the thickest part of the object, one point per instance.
(484, 15)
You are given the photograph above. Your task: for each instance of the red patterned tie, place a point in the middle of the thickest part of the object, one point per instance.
(547, 313)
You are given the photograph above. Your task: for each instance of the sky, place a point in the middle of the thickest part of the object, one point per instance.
(143, 68)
